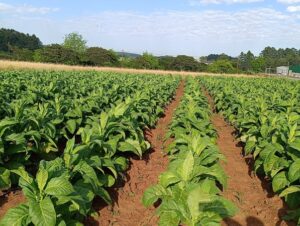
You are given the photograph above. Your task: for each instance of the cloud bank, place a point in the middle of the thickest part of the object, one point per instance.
(167, 32)
(25, 9)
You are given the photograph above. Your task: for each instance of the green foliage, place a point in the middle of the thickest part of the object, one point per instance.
(221, 66)
(266, 114)
(71, 130)
(75, 42)
(185, 63)
(56, 53)
(279, 57)
(11, 38)
(188, 190)
(100, 57)
(165, 62)
(146, 61)
(258, 64)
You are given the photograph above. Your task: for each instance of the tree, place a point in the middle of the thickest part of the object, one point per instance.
(56, 53)
(146, 61)
(75, 42)
(258, 64)
(221, 66)
(185, 63)
(214, 57)
(166, 62)
(11, 38)
(21, 54)
(245, 61)
(101, 57)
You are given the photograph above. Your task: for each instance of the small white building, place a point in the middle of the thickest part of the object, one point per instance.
(282, 70)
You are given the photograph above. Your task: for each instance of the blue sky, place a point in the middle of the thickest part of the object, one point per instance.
(162, 27)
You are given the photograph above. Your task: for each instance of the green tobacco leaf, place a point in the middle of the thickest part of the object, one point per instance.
(103, 119)
(102, 193)
(42, 177)
(23, 174)
(59, 187)
(295, 145)
(131, 146)
(5, 182)
(270, 162)
(17, 216)
(280, 181)
(250, 145)
(168, 178)
(294, 171)
(194, 199)
(187, 167)
(121, 163)
(71, 125)
(152, 194)
(170, 218)
(42, 213)
(290, 190)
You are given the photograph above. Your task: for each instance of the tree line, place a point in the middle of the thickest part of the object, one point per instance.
(15, 45)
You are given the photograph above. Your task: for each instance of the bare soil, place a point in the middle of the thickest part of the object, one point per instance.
(258, 205)
(10, 200)
(128, 209)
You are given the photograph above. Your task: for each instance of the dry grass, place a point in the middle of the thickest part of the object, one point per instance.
(14, 65)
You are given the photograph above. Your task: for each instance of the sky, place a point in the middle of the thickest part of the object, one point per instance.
(161, 27)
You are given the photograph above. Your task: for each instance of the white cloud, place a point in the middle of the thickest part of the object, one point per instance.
(172, 32)
(293, 9)
(25, 9)
(206, 2)
(289, 2)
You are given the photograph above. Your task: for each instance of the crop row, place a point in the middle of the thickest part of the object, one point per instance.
(189, 190)
(63, 137)
(266, 112)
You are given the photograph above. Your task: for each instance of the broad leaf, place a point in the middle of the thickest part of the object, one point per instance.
(59, 187)
(42, 213)
(17, 216)
(294, 171)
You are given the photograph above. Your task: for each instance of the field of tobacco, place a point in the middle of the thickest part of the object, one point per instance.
(65, 138)
(145, 149)
(266, 114)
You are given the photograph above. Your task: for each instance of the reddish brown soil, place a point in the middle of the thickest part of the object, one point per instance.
(10, 200)
(128, 209)
(258, 206)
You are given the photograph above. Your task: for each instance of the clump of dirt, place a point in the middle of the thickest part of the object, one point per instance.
(128, 209)
(258, 205)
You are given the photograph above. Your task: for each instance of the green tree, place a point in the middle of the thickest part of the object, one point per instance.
(245, 61)
(75, 42)
(11, 38)
(56, 53)
(146, 61)
(166, 62)
(23, 54)
(100, 57)
(185, 63)
(258, 64)
(221, 66)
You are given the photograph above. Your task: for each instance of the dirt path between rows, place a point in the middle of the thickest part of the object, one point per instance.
(128, 209)
(258, 206)
(10, 200)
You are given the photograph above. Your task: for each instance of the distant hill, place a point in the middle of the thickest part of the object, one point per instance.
(126, 54)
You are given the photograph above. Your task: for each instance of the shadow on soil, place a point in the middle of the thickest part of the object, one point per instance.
(253, 221)
(267, 187)
(250, 221)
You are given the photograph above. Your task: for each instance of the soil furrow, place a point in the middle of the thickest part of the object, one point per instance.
(258, 205)
(128, 209)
